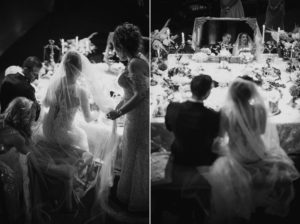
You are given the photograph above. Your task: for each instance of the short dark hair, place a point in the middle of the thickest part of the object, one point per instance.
(127, 37)
(200, 85)
(32, 62)
(224, 34)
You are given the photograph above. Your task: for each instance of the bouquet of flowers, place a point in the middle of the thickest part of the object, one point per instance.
(246, 57)
(225, 53)
(200, 57)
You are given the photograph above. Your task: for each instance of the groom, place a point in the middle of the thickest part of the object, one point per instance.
(194, 126)
(19, 84)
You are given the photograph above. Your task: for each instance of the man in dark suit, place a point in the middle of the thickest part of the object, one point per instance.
(19, 84)
(194, 126)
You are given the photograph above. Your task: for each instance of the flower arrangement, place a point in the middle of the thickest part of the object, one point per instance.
(162, 41)
(200, 57)
(295, 88)
(289, 43)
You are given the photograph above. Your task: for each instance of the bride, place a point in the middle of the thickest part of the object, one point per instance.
(252, 170)
(243, 44)
(70, 141)
(64, 98)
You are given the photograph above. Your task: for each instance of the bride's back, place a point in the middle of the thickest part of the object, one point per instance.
(63, 95)
(245, 120)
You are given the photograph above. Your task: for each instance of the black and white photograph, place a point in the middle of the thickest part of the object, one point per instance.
(224, 107)
(149, 111)
(74, 95)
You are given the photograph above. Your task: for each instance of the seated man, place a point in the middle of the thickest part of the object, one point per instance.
(195, 127)
(225, 43)
(18, 83)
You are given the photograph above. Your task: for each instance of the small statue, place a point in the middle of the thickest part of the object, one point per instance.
(51, 46)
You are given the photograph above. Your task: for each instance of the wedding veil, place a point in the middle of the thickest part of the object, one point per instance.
(247, 117)
(237, 44)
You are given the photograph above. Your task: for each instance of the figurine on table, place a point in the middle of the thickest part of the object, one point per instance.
(52, 47)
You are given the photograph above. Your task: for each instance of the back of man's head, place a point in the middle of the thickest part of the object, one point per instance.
(201, 85)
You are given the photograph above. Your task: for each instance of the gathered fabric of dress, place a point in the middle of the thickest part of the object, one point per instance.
(252, 170)
(133, 186)
(236, 11)
(20, 188)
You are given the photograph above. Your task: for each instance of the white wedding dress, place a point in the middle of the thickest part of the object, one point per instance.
(252, 170)
(59, 124)
(66, 142)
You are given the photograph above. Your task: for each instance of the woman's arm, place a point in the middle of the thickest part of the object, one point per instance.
(139, 87)
(120, 104)
(85, 106)
(136, 72)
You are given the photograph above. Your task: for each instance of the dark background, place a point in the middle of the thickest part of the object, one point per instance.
(182, 17)
(27, 25)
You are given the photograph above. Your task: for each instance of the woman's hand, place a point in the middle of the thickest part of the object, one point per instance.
(114, 114)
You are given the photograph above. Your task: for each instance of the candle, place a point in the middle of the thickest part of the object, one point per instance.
(158, 55)
(62, 46)
(76, 42)
(182, 38)
(87, 45)
(263, 37)
(168, 32)
(278, 35)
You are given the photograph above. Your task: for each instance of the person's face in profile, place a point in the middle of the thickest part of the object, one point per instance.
(34, 73)
(226, 39)
(244, 39)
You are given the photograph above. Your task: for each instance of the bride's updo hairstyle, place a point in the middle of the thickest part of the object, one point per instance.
(127, 38)
(241, 91)
(72, 64)
(20, 115)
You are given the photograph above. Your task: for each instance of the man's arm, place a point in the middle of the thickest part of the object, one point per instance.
(171, 114)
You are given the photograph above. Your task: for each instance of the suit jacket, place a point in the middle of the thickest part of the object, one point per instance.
(15, 85)
(195, 128)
